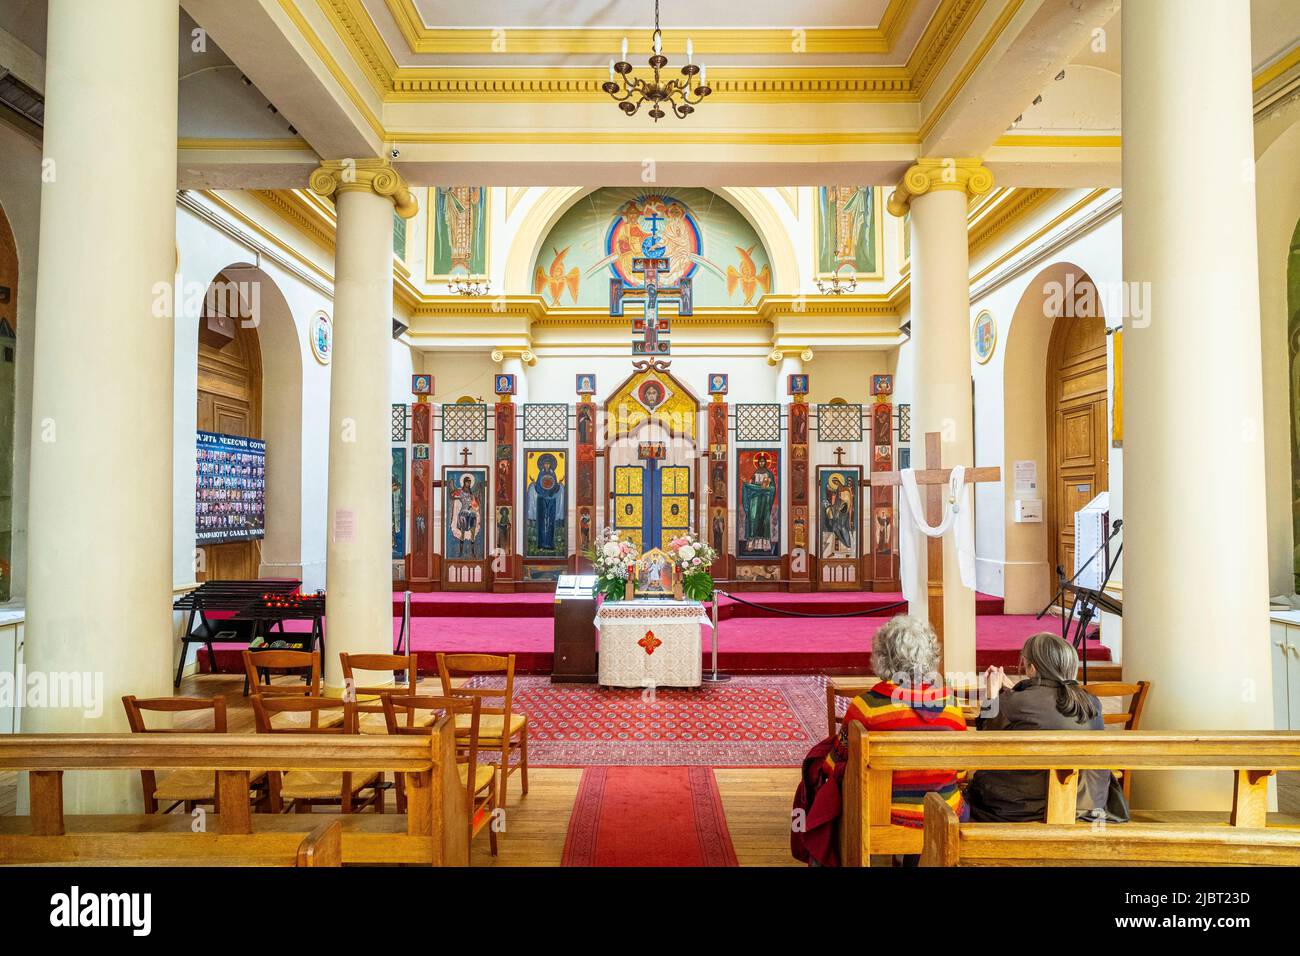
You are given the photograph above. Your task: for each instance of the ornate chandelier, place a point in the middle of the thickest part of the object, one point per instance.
(840, 282)
(468, 285)
(674, 93)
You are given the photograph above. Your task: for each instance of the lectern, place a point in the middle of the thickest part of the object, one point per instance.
(575, 631)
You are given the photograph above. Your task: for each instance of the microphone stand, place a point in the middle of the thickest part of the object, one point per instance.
(1088, 610)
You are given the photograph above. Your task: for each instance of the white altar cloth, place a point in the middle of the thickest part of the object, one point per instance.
(650, 643)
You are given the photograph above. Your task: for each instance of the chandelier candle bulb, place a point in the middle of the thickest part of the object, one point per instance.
(611, 70)
(659, 42)
(690, 51)
(624, 56)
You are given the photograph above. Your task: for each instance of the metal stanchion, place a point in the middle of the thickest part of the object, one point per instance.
(714, 677)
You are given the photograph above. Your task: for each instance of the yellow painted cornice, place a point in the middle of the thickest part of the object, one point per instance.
(970, 176)
(307, 216)
(423, 39)
(968, 69)
(1280, 65)
(295, 143)
(335, 176)
(1059, 141)
(995, 218)
(394, 83)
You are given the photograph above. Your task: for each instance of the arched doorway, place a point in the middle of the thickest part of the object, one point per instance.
(1078, 441)
(230, 396)
(8, 343)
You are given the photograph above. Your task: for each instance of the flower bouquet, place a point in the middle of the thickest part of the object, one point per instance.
(693, 559)
(613, 561)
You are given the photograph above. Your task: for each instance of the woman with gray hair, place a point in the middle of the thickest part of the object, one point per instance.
(909, 695)
(1048, 697)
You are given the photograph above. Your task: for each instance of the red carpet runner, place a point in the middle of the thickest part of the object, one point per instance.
(648, 816)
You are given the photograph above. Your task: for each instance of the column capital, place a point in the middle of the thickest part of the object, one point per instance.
(970, 176)
(525, 355)
(780, 352)
(335, 176)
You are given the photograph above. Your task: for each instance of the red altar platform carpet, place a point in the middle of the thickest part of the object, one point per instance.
(751, 641)
(648, 816)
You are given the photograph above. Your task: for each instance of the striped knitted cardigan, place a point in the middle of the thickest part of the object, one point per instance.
(887, 706)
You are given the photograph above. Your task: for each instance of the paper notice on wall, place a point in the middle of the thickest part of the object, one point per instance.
(345, 525)
(1026, 479)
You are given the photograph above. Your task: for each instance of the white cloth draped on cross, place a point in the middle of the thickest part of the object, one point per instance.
(914, 529)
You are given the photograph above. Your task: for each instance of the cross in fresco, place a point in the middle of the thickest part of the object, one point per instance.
(652, 328)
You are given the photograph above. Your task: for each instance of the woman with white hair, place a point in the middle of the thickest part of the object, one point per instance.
(909, 695)
(1047, 698)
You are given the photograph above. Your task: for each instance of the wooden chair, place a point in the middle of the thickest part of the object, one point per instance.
(259, 663)
(846, 688)
(949, 842)
(500, 728)
(308, 788)
(370, 711)
(1128, 719)
(479, 779)
(188, 787)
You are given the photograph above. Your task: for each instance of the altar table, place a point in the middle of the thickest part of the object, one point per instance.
(650, 643)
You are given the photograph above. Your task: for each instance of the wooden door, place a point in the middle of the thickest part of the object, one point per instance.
(230, 402)
(1078, 449)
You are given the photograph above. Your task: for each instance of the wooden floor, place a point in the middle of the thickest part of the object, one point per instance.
(756, 800)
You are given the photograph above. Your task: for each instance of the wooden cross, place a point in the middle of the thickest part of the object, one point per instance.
(934, 479)
(464, 457)
(651, 325)
(839, 456)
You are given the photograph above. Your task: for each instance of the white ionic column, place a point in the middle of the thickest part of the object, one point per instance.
(358, 571)
(100, 546)
(1195, 533)
(790, 362)
(516, 362)
(936, 191)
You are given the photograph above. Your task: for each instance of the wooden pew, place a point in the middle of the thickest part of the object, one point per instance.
(949, 842)
(431, 833)
(865, 829)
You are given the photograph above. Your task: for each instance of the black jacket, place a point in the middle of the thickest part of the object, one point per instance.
(1020, 796)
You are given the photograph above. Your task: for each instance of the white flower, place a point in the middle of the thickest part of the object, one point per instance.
(611, 550)
(686, 552)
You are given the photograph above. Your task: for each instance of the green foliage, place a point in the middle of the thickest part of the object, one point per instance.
(697, 586)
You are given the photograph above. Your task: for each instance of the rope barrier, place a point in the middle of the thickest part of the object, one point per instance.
(869, 612)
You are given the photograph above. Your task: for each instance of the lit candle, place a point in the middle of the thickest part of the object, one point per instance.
(659, 42)
(690, 51)
(624, 57)
(704, 75)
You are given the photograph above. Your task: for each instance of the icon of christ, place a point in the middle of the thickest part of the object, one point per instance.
(758, 509)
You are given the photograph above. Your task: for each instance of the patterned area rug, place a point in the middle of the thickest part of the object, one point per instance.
(750, 721)
(648, 816)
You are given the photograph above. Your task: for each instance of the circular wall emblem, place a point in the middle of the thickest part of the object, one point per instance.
(321, 333)
(653, 227)
(984, 336)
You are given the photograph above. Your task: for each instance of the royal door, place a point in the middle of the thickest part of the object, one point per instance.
(652, 503)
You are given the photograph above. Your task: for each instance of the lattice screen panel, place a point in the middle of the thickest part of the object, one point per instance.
(464, 422)
(839, 423)
(758, 422)
(400, 427)
(546, 422)
(904, 423)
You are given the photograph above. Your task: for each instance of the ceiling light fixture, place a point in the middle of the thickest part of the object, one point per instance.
(673, 93)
